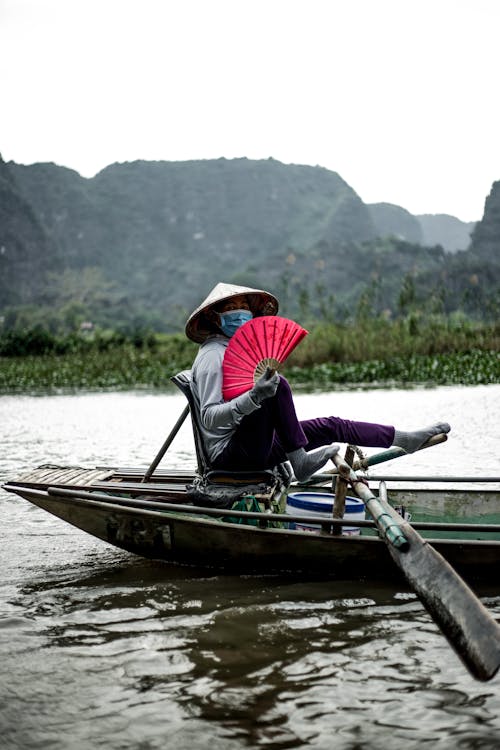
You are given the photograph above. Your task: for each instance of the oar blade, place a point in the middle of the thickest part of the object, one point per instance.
(468, 626)
(466, 623)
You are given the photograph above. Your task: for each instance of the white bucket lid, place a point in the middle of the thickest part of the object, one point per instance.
(317, 502)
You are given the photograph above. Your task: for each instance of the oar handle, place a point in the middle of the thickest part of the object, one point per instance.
(379, 458)
(396, 452)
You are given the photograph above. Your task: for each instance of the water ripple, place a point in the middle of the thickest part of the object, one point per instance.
(102, 649)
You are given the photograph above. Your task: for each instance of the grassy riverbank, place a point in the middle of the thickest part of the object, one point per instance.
(374, 353)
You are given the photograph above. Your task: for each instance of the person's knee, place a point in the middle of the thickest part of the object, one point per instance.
(284, 387)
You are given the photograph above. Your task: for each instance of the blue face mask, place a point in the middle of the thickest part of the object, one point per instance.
(231, 320)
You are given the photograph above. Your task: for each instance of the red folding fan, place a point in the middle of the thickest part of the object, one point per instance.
(260, 343)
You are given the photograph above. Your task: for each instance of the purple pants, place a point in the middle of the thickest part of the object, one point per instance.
(263, 438)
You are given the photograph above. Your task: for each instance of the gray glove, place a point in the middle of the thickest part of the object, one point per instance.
(265, 387)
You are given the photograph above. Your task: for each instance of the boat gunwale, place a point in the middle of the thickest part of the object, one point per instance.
(189, 513)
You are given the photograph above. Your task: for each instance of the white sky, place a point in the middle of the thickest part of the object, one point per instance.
(400, 97)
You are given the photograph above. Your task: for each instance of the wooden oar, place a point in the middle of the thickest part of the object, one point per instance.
(166, 445)
(377, 458)
(466, 623)
(396, 452)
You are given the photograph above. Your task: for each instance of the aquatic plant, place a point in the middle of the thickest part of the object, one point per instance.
(129, 367)
(415, 349)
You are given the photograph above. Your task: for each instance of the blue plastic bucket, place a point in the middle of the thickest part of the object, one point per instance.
(317, 504)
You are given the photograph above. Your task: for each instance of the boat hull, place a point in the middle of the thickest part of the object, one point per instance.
(176, 537)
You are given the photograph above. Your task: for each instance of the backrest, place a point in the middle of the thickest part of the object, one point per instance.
(183, 381)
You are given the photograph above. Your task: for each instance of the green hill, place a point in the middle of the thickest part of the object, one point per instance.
(141, 243)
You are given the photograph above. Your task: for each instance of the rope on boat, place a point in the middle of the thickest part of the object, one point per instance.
(357, 450)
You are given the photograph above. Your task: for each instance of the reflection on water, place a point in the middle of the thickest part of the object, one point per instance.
(140, 652)
(102, 649)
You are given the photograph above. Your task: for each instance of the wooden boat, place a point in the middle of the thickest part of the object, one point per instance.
(157, 519)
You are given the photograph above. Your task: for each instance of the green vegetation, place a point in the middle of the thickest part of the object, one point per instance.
(38, 360)
(374, 351)
(465, 368)
(386, 340)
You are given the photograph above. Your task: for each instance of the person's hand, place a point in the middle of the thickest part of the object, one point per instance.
(265, 387)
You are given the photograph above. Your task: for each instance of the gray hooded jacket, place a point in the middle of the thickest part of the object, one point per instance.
(219, 419)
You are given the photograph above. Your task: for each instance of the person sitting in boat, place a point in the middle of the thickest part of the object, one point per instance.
(260, 428)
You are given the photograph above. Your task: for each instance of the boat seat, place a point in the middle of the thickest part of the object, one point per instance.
(221, 487)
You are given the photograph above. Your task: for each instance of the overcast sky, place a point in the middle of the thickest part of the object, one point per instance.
(400, 97)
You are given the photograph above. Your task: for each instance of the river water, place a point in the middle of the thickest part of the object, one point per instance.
(100, 648)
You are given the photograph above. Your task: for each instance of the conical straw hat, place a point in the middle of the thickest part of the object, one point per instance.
(260, 302)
